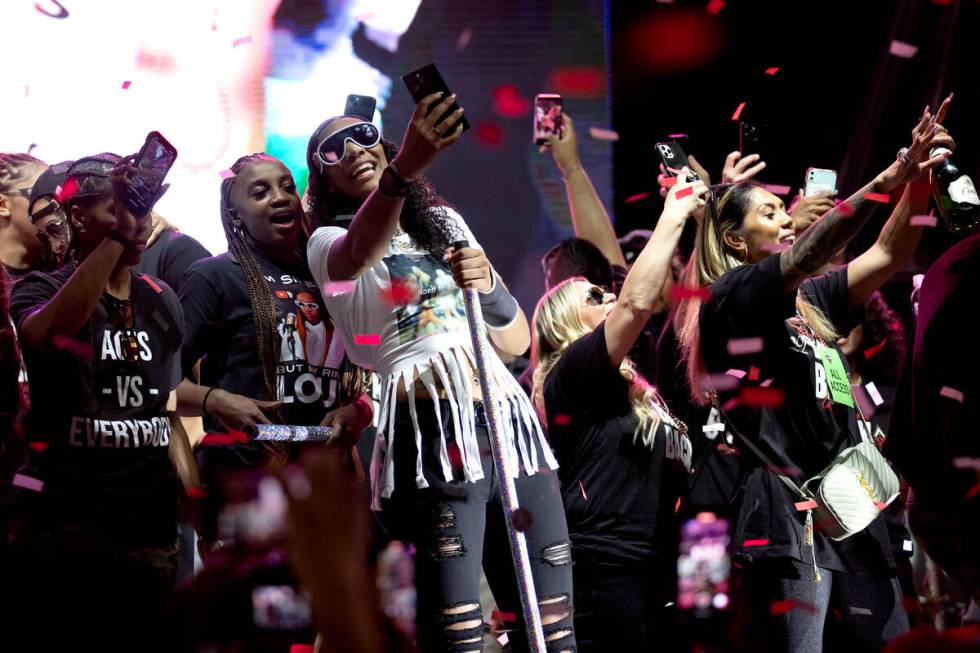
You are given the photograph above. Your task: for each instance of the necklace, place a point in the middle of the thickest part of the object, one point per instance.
(122, 316)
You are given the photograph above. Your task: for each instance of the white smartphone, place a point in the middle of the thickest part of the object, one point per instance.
(819, 180)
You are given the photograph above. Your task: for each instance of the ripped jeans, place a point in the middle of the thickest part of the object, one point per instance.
(457, 527)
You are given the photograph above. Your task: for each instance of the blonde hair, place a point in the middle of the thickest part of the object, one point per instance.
(713, 258)
(555, 326)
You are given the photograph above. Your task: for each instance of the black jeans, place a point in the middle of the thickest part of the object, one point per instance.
(458, 526)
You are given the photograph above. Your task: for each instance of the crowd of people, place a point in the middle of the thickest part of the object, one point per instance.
(665, 383)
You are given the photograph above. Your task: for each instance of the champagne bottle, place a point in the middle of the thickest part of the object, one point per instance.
(955, 194)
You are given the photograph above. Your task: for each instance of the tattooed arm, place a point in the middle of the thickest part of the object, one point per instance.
(831, 233)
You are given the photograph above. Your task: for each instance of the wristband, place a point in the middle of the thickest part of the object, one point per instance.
(499, 306)
(204, 404)
(112, 234)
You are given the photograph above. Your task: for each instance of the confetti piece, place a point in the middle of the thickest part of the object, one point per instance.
(399, 293)
(772, 71)
(28, 482)
(496, 615)
(760, 397)
(874, 351)
(873, 393)
(684, 192)
(776, 189)
(907, 545)
(679, 292)
(242, 40)
(767, 383)
(951, 393)
(884, 198)
(845, 209)
(923, 221)
(863, 611)
(963, 462)
(755, 542)
(715, 6)
(562, 420)
(38, 446)
(636, 198)
(738, 374)
(503, 639)
(80, 349)
(738, 111)
(66, 191)
(508, 101)
(809, 504)
(301, 648)
(600, 134)
(226, 174)
(677, 506)
(367, 339)
(490, 135)
(225, 439)
(902, 50)
(754, 373)
(338, 287)
(782, 607)
(863, 401)
(197, 492)
(713, 428)
(582, 488)
(667, 182)
(464, 39)
(677, 136)
(741, 346)
(973, 491)
(151, 283)
(721, 382)
(522, 519)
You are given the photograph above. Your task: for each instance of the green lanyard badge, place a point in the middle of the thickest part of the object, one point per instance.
(837, 379)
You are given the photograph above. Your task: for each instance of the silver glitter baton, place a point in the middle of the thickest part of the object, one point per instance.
(508, 492)
(289, 433)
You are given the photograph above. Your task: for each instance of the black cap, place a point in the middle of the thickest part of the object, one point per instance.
(49, 181)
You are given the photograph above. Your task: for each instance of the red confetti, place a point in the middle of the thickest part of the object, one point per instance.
(755, 543)
(668, 181)
(301, 648)
(715, 6)
(151, 283)
(455, 455)
(760, 397)
(636, 198)
(680, 292)
(684, 192)
(38, 446)
(81, 349)
(66, 191)
(503, 616)
(242, 40)
(197, 492)
(126, 84)
(578, 81)
(229, 438)
(772, 71)
(809, 504)
(738, 111)
(283, 294)
(400, 293)
(367, 339)
(845, 209)
(973, 491)
(582, 488)
(753, 373)
(677, 506)
(509, 103)
(874, 351)
(782, 607)
(490, 134)
(884, 198)
(562, 420)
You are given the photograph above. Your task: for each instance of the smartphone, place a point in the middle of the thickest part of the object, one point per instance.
(547, 117)
(361, 106)
(153, 162)
(819, 180)
(750, 138)
(426, 81)
(281, 607)
(704, 566)
(673, 157)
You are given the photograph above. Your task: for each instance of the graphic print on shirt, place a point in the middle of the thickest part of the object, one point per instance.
(435, 303)
(678, 445)
(830, 376)
(311, 357)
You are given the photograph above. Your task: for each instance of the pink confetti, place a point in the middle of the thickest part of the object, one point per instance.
(600, 134)
(809, 504)
(738, 374)
(676, 136)
(759, 542)
(684, 192)
(963, 462)
(367, 339)
(722, 382)
(338, 288)
(80, 349)
(126, 84)
(464, 39)
(902, 50)
(738, 111)
(226, 174)
(301, 648)
(680, 292)
(197, 492)
(873, 393)
(151, 283)
(715, 6)
(884, 198)
(742, 346)
(776, 189)
(636, 198)
(923, 221)
(772, 71)
(28, 482)
(582, 488)
(242, 40)
(951, 393)
(863, 401)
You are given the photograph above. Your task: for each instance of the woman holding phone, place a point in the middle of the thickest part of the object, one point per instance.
(624, 458)
(392, 281)
(767, 317)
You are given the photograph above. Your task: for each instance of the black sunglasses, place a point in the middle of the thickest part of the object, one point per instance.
(331, 149)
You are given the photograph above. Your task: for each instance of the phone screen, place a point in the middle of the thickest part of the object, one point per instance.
(281, 607)
(152, 165)
(703, 565)
(547, 117)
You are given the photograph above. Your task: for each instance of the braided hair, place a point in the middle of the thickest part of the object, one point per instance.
(15, 167)
(423, 217)
(259, 292)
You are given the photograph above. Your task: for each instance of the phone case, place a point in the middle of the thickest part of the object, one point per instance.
(819, 180)
(673, 157)
(544, 122)
(426, 81)
(362, 106)
(153, 162)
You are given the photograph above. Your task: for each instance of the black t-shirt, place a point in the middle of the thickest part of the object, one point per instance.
(104, 418)
(170, 257)
(219, 324)
(807, 431)
(619, 495)
(643, 353)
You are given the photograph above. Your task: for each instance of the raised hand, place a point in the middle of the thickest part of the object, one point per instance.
(424, 138)
(914, 161)
(738, 168)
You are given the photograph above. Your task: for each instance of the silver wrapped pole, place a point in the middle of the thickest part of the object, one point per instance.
(508, 491)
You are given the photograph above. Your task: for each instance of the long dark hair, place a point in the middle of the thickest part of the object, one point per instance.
(423, 217)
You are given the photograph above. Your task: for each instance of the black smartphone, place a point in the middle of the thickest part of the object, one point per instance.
(673, 157)
(547, 117)
(361, 106)
(153, 162)
(750, 138)
(703, 566)
(426, 81)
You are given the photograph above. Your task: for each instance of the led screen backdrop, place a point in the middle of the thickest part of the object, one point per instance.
(222, 78)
